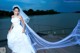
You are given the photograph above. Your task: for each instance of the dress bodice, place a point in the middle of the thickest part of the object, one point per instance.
(15, 21)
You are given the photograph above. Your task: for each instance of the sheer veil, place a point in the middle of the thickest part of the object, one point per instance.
(39, 43)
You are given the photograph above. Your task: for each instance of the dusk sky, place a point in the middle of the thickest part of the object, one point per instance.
(57, 5)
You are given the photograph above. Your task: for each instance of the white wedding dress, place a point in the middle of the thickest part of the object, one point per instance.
(19, 42)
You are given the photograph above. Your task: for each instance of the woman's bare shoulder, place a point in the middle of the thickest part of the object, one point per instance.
(12, 16)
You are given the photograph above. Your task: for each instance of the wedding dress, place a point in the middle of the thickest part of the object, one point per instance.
(19, 42)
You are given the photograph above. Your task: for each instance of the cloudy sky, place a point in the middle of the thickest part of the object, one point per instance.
(57, 5)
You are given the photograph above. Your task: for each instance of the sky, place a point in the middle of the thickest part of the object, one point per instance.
(57, 5)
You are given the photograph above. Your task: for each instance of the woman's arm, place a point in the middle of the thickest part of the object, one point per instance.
(11, 27)
(22, 23)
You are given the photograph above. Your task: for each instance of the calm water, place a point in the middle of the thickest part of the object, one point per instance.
(59, 23)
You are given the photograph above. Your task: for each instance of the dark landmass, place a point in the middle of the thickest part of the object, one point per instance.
(40, 12)
(30, 12)
(77, 12)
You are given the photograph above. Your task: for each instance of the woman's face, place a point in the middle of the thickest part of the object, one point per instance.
(16, 11)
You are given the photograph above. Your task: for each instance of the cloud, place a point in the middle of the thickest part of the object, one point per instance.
(43, 1)
(27, 1)
(58, 5)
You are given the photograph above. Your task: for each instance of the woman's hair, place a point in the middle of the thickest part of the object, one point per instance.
(16, 8)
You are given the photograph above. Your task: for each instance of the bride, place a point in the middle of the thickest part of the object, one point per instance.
(18, 41)
(22, 39)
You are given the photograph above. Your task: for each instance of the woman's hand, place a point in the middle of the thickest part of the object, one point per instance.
(9, 30)
(23, 31)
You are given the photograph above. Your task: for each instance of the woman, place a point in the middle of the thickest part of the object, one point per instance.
(22, 39)
(18, 41)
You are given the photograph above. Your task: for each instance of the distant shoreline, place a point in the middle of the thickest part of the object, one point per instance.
(7, 14)
(30, 12)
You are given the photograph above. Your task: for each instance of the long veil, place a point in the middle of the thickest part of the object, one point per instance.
(39, 43)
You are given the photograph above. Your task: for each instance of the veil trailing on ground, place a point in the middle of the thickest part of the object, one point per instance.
(39, 43)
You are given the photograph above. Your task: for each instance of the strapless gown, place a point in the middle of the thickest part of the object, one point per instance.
(19, 42)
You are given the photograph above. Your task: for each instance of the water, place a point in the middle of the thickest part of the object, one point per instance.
(58, 23)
